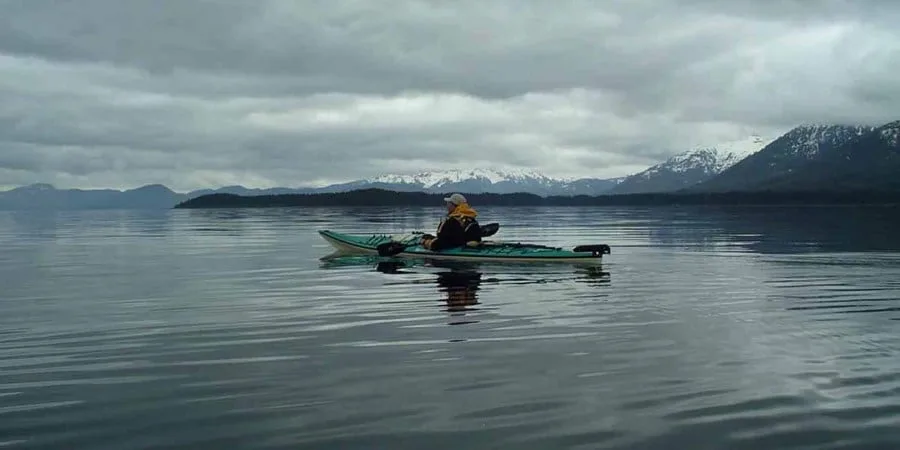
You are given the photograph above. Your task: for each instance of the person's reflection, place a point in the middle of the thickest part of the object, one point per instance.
(389, 266)
(593, 276)
(459, 281)
(461, 288)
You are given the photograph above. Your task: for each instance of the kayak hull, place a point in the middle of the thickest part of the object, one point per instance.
(494, 252)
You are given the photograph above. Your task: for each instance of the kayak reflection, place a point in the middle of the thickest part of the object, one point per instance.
(460, 282)
(535, 273)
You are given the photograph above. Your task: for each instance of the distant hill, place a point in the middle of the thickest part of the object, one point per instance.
(781, 157)
(241, 190)
(47, 197)
(691, 167)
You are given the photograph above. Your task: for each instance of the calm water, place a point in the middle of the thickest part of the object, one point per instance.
(740, 328)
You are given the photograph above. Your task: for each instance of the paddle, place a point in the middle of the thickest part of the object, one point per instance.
(395, 248)
(598, 249)
(489, 229)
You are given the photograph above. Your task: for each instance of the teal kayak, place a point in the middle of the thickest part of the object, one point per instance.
(487, 251)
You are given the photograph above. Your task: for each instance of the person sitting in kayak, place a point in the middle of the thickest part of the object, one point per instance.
(459, 228)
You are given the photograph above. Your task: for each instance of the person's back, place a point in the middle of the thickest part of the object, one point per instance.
(458, 229)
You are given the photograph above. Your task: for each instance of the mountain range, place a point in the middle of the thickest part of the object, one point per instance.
(46, 196)
(690, 167)
(810, 157)
(481, 180)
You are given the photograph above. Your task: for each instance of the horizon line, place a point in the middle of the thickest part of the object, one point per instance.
(8, 188)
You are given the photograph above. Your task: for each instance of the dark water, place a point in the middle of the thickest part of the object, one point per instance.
(740, 328)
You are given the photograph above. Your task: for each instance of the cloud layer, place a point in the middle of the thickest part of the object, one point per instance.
(104, 93)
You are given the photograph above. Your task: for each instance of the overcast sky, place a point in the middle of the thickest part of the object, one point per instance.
(192, 93)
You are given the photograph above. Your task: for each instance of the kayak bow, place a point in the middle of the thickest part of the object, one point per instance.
(487, 251)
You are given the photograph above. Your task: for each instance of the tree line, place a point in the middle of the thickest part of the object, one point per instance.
(381, 197)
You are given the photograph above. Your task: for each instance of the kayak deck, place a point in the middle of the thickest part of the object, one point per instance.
(488, 251)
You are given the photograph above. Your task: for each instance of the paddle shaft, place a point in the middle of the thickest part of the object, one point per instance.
(395, 248)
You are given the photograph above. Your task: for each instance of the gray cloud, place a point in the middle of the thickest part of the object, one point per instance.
(203, 93)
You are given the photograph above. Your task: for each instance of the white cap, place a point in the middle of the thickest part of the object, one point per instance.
(456, 199)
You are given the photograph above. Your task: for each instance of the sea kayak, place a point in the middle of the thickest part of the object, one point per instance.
(487, 251)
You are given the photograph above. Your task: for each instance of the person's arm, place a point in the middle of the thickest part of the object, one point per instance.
(473, 233)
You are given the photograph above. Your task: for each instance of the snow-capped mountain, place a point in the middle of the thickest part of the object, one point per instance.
(481, 181)
(691, 167)
(437, 179)
(868, 161)
(784, 155)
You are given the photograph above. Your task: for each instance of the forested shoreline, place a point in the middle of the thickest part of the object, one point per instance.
(380, 197)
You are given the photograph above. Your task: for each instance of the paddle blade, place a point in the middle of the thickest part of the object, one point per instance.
(390, 248)
(602, 249)
(489, 229)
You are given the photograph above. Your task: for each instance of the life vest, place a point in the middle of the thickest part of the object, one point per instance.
(466, 216)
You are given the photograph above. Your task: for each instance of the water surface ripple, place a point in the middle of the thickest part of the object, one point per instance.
(706, 328)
